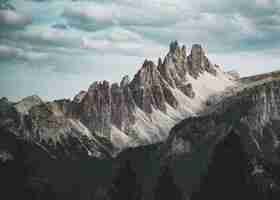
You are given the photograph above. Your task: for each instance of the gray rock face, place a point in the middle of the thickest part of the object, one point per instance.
(251, 111)
(187, 90)
(96, 108)
(148, 88)
(125, 81)
(122, 107)
(174, 67)
(79, 97)
(27, 103)
(199, 63)
(245, 123)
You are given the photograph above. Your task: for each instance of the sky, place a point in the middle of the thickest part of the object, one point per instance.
(55, 48)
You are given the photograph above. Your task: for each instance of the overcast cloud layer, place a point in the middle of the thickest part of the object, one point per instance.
(54, 48)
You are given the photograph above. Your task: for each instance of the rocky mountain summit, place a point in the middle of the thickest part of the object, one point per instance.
(130, 113)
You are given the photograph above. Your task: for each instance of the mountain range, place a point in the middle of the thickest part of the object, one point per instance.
(179, 129)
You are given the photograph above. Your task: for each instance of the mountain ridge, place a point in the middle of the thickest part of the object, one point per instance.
(166, 134)
(129, 113)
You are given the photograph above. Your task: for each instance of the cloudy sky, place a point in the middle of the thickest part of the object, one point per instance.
(55, 48)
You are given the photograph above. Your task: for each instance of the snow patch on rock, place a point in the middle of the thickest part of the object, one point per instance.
(119, 139)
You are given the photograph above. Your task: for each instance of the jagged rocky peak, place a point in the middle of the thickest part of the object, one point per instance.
(147, 74)
(174, 47)
(177, 64)
(27, 103)
(125, 81)
(174, 67)
(176, 52)
(159, 62)
(80, 96)
(117, 105)
(95, 109)
(62, 107)
(148, 87)
(197, 49)
(99, 85)
(122, 106)
(145, 77)
(184, 50)
(199, 63)
(106, 106)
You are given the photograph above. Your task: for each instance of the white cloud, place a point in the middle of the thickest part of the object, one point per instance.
(8, 52)
(264, 3)
(94, 16)
(13, 19)
(72, 43)
(11, 53)
(122, 41)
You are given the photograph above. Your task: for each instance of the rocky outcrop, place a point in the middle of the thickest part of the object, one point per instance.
(122, 107)
(188, 90)
(27, 103)
(95, 109)
(149, 89)
(146, 89)
(80, 96)
(199, 63)
(254, 106)
(174, 68)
